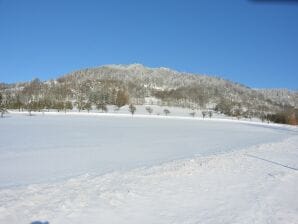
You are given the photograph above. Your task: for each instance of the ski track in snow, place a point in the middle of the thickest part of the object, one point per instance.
(254, 181)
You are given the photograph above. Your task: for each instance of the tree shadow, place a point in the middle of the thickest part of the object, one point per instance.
(5, 116)
(30, 115)
(278, 128)
(273, 162)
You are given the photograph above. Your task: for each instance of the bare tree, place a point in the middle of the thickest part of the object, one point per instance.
(80, 104)
(18, 103)
(31, 106)
(149, 110)
(210, 113)
(132, 109)
(261, 116)
(2, 111)
(224, 106)
(121, 98)
(57, 105)
(88, 106)
(237, 113)
(204, 113)
(166, 112)
(102, 107)
(67, 106)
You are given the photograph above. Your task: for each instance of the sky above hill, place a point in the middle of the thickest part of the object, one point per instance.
(251, 42)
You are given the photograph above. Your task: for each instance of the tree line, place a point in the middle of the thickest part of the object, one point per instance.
(68, 93)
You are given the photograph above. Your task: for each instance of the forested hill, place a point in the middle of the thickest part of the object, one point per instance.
(137, 84)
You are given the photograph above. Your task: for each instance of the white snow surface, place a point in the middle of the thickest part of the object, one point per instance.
(119, 169)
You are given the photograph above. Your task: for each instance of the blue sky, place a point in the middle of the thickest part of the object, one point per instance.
(252, 43)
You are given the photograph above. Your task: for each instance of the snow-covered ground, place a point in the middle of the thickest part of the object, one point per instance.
(119, 169)
(157, 111)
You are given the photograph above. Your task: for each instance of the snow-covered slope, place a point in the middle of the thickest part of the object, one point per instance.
(42, 148)
(109, 168)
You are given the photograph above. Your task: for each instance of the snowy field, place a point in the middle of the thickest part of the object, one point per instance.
(119, 169)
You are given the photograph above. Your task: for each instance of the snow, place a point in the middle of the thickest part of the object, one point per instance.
(158, 112)
(118, 169)
(55, 147)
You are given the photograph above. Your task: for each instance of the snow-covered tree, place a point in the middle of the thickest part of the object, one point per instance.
(120, 84)
(3, 109)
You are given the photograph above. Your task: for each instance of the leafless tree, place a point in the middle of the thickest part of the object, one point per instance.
(204, 113)
(87, 106)
(166, 112)
(121, 98)
(149, 110)
(132, 109)
(67, 106)
(103, 107)
(210, 113)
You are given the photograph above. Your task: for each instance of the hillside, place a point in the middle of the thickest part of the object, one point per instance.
(136, 84)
